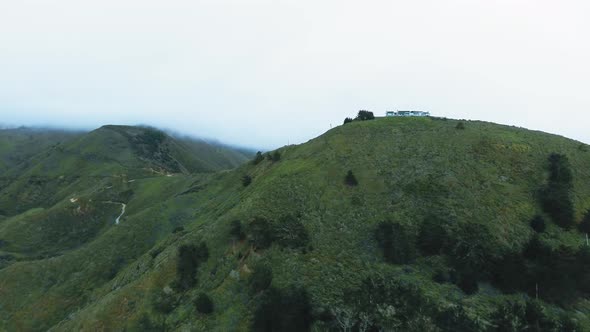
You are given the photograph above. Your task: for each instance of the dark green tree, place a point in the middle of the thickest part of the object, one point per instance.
(460, 126)
(510, 317)
(584, 225)
(204, 304)
(189, 259)
(274, 157)
(261, 278)
(260, 233)
(350, 179)
(258, 158)
(290, 232)
(246, 180)
(538, 224)
(236, 230)
(396, 242)
(556, 197)
(347, 120)
(365, 115)
(286, 310)
(433, 236)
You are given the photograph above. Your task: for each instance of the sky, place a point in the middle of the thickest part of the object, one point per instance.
(265, 73)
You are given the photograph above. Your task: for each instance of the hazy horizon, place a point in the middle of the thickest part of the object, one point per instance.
(264, 73)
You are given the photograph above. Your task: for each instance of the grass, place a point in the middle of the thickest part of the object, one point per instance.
(407, 169)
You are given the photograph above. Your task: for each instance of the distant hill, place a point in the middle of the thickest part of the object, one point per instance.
(409, 224)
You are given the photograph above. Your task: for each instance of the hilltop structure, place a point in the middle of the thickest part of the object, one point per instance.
(406, 113)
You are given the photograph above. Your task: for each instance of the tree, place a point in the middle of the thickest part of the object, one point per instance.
(365, 115)
(189, 259)
(396, 243)
(347, 120)
(584, 226)
(261, 278)
(236, 231)
(258, 158)
(432, 236)
(274, 157)
(538, 224)
(350, 179)
(287, 310)
(246, 180)
(290, 232)
(204, 304)
(460, 126)
(260, 232)
(556, 196)
(510, 317)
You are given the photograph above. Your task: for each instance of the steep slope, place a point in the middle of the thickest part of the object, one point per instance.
(76, 165)
(420, 243)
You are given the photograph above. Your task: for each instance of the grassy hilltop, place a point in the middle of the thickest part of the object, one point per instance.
(430, 231)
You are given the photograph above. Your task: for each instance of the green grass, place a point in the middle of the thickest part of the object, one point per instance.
(407, 169)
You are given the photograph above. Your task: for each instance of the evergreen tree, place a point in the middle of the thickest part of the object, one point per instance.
(365, 115)
(260, 233)
(347, 120)
(460, 126)
(261, 278)
(246, 180)
(556, 197)
(538, 224)
(189, 259)
(204, 304)
(258, 158)
(350, 179)
(397, 244)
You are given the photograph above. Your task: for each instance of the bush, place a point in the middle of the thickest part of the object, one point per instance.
(246, 180)
(203, 303)
(236, 231)
(189, 259)
(538, 224)
(287, 310)
(291, 233)
(350, 179)
(347, 120)
(274, 157)
(396, 243)
(260, 233)
(365, 115)
(460, 126)
(510, 317)
(258, 158)
(584, 225)
(468, 283)
(261, 278)
(556, 197)
(433, 236)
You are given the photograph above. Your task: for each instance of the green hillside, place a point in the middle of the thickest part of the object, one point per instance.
(429, 231)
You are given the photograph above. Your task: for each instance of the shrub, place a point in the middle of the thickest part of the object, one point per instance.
(396, 243)
(350, 179)
(287, 310)
(189, 259)
(460, 126)
(468, 283)
(538, 224)
(274, 157)
(203, 303)
(260, 233)
(347, 120)
(236, 231)
(261, 278)
(584, 226)
(246, 180)
(365, 115)
(291, 233)
(178, 229)
(258, 158)
(432, 236)
(556, 197)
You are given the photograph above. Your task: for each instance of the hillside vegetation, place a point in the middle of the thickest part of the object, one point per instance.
(401, 224)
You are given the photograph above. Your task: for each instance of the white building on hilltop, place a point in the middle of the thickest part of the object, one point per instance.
(406, 113)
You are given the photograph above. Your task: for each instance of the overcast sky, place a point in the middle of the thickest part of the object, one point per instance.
(267, 73)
